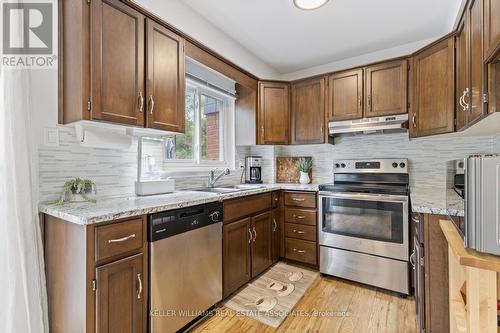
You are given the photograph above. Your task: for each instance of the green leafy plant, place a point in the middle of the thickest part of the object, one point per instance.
(77, 186)
(304, 165)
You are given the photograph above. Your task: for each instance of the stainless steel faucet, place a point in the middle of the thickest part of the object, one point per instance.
(212, 178)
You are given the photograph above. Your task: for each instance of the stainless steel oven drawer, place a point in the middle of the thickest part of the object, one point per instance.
(376, 271)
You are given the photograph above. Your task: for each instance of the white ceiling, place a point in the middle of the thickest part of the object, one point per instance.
(290, 40)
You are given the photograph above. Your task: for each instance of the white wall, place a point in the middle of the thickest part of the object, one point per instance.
(194, 25)
(398, 51)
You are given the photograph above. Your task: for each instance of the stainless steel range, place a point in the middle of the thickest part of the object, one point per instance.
(364, 232)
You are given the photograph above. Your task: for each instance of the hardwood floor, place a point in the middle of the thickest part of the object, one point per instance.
(368, 309)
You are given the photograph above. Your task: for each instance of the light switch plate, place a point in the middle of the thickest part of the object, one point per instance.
(51, 136)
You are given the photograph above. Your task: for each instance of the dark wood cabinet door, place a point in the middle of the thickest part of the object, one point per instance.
(345, 95)
(273, 119)
(475, 96)
(165, 79)
(276, 234)
(117, 63)
(237, 238)
(491, 26)
(261, 243)
(461, 72)
(436, 275)
(386, 89)
(308, 111)
(433, 108)
(120, 296)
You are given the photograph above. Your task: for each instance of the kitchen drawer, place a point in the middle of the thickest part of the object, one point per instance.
(305, 232)
(242, 207)
(300, 199)
(120, 238)
(301, 250)
(300, 216)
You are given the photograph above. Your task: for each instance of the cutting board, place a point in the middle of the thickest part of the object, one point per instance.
(286, 169)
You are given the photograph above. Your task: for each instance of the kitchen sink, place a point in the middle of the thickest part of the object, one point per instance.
(245, 187)
(218, 189)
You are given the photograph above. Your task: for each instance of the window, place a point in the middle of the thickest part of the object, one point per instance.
(208, 140)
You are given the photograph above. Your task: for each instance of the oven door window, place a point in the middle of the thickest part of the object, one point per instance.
(375, 220)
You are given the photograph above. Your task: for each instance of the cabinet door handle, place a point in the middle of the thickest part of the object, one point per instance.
(139, 293)
(141, 102)
(462, 102)
(360, 102)
(299, 251)
(412, 259)
(299, 232)
(251, 236)
(275, 225)
(255, 234)
(370, 102)
(262, 132)
(298, 199)
(467, 95)
(151, 104)
(123, 239)
(298, 216)
(413, 120)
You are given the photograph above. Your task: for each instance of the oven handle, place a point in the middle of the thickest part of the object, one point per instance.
(366, 197)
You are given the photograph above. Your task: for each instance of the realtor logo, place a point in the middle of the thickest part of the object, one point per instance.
(28, 34)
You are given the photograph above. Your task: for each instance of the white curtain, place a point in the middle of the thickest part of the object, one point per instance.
(23, 300)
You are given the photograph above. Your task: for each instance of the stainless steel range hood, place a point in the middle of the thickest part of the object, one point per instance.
(386, 124)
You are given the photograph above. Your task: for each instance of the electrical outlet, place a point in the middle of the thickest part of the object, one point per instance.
(51, 136)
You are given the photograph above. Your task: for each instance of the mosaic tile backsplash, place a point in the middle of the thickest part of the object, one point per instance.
(115, 171)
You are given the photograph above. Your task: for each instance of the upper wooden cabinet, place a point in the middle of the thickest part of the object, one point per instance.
(386, 89)
(470, 80)
(117, 63)
(104, 65)
(273, 118)
(378, 90)
(308, 111)
(165, 79)
(345, 95)
(433, 90)
(491, 27)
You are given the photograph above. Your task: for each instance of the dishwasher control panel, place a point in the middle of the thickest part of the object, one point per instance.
(177, 221)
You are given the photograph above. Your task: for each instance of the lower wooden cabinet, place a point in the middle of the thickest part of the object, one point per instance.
(96, 276)
(261, 243)
(300, 227)
(435, 275)
(120, 296)
(250, 244)
(237, 238)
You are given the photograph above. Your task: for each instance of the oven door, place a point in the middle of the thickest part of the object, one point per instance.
(368, 223)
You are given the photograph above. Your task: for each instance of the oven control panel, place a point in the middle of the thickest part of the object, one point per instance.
(371, 166)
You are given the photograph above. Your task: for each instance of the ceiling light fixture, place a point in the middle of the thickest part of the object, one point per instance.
(309, 4)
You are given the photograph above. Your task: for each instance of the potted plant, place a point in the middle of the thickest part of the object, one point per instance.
(77, 190)
(304, 166)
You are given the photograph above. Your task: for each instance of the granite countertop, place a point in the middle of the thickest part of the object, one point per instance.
(108, 209)
(438, 201)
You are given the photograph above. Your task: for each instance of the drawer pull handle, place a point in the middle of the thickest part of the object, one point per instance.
(139, 293)
(299, 251)
(298, 199)
(299, 232)
(275, 225)
(123, 239)
(298, 216)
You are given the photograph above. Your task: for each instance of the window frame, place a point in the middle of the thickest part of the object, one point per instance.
(226, 117)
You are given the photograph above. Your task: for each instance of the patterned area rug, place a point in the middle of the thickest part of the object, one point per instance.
(265, 299)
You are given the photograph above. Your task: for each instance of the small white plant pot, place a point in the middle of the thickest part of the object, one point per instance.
(304, 178)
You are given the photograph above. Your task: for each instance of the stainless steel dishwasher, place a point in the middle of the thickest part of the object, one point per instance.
(185, 251)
